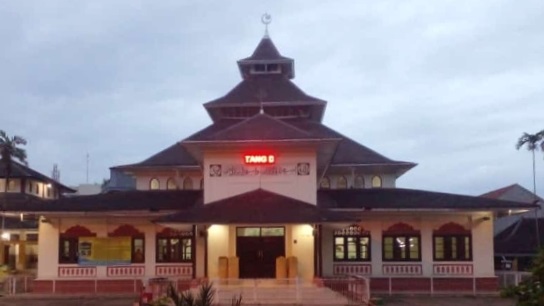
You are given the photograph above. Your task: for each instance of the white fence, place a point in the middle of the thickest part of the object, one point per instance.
(511, 278)
(17, 284)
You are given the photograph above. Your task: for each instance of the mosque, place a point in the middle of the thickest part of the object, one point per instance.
(267, 179)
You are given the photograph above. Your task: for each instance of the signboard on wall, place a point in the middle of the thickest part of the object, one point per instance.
(104, 250)
(219, 170)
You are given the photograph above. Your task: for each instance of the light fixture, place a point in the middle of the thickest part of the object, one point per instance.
(5, 236)
(48, 185)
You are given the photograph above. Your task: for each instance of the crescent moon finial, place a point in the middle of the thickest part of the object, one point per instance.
(266, 19)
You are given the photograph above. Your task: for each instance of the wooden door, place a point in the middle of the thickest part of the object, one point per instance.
(248, 252)
(258, 253)
(271, 249)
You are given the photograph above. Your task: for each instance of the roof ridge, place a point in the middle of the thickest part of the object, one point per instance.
(263, 190)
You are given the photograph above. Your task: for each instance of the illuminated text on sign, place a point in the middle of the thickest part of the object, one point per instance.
(260, 159)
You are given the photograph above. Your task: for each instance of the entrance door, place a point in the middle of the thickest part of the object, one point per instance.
(257, 248)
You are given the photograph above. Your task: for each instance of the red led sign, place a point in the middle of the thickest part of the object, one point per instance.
(260, 159)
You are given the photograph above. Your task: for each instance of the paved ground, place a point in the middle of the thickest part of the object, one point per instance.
(66, 301)
(447, 301)
(127, 301)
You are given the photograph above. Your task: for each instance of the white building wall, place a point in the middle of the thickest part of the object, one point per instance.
(302, 247)
(143, 179)
(48, 243)
(482, 242)
(218, 245)
(388, 180)
(301, 187)
(48, 246)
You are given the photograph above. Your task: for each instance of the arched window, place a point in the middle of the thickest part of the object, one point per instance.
(452, 242)
(401, 242)
(342, 183)
(174, 246)
(376, 182)
(351, 244)
(325, 183)
(171, 184)
(154, 184)
(187, 183)
(359, 182)
(69, 251)
(137, 250)
(11, 185)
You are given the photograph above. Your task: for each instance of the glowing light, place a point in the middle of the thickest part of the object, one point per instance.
(260, 159)
(5, 236)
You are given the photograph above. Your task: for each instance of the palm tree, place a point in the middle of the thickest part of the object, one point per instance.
(9, 150)
(531, 141)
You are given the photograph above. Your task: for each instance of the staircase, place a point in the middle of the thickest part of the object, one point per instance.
(276, 292)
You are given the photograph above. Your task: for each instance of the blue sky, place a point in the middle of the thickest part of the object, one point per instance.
(450, 85)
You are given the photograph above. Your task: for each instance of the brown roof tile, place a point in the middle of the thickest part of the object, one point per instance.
(150, 200)
(21, 171)
(266, 88)
(266, 50)
(258, 206)
(175, 155)
(519, 238)
(496, 194)
(348, 151)
(258, 127)
(398, 198)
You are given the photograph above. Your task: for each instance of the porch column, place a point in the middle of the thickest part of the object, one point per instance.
(21, 256)
(2, 255)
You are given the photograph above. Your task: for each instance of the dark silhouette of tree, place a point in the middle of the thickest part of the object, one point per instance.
(532, 142)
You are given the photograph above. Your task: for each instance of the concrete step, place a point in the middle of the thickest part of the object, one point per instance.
(270, 296)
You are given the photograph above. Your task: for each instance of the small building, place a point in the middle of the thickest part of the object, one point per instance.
(267, 180)
(517, 231)
(19, 231)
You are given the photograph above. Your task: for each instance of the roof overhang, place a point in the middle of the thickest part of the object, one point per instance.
(397, 168)
(260, 207)
(396, 199)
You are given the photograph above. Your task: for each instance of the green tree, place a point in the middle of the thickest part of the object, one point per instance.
(530, 292)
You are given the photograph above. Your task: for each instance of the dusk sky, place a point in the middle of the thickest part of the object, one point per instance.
(450, 85)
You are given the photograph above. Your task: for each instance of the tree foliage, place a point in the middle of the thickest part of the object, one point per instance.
(530, 292)
(10, 150)
(531, 141)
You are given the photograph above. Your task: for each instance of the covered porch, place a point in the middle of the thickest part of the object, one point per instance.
(246, 236)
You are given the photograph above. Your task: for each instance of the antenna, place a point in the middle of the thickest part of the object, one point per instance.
(87, 172)
(55, 174)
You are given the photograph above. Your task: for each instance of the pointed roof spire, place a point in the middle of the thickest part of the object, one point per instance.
(266, 19)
